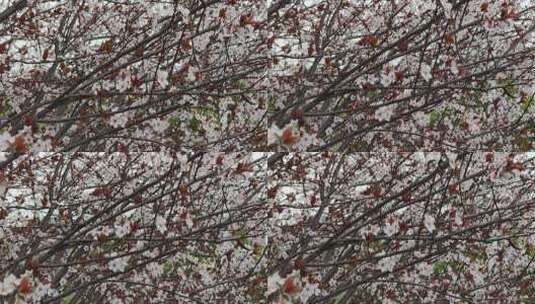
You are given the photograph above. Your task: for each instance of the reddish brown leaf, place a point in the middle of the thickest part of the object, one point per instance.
(450, 39)
(246, 19)
(453, 189)
(139, 51)
(406, 197)
(186, 44)
(3, 213)
(290, 287)
(370, 40)
(219, 160)
(403, 46)
(399, 75)
(512, 165)
(20, 145)
(183, 190)
(377, 190)
(107, 46)
(272, 192)
(288, 138)
(222, 13)
(25, 286)
(134, 226)
(29, 120)
(3, 48)
(299, 264)
(244, 168)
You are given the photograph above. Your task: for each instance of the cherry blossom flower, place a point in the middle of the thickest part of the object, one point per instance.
(9, 284)
(118, 264)
(429, 222)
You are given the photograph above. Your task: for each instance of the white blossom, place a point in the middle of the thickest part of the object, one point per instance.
(118, 264)
(9, 284)
(162, 78)
(155, 269)
(387, 264)
(308, 291)
(391, 229)
(384, 113)
(425, 71)
(160, 224)
(429, 222)
(122, 230)
(424, 269)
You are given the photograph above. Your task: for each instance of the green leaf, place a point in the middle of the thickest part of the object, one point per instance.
(477, 254)
(244, 238)
(6, 107)
(68, 299)
(271, 104)
(167, 267)
(259, 251)
(523, 143)
(527, 104)
(241, 84)
(335, 147)
(194, 124)
(434, 117)
(173, 122)
(372, 94)
(440, 267)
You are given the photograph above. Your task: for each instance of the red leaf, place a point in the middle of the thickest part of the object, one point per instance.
(299, 264)
(219, 160)
(103, 191)
(134, 226)
(139, 51)
(377, 190)
(3, 213)
(29, 121)
(310, 50)
(25, 286)
(20, 145)
(107, 46)
(403, 46)
(288, 138)
(453, 189)
(399, 75)
(3, 48)
(186, 44)
(222, 13)
(403, 226)
(136, 82)
(406, 197)
(370, 40)
(272, 192)
(450, 39)
(290, 287)
(374, 190)
(246, 19)
(45, 54)
(244, 168)
(183, 190)
(511, 165)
